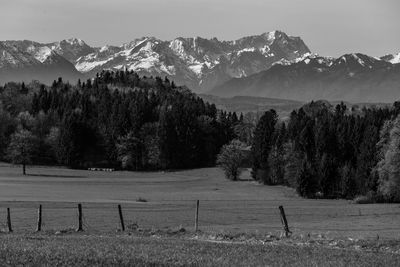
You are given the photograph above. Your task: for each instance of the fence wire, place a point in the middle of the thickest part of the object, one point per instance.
(220, 216)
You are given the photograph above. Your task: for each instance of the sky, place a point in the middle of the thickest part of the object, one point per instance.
(328, 27)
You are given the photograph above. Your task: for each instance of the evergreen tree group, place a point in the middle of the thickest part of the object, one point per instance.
(117, 119)
(322, 151)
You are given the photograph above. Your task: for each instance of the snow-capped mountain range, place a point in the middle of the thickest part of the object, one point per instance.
(204, 65)
(196, 62)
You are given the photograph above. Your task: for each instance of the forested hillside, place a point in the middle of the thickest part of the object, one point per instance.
(117, 119)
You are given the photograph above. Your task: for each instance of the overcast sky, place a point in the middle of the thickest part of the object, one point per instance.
(328, 27)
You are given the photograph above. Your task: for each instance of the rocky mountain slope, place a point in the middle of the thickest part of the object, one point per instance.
(351, 77)
(27, 61)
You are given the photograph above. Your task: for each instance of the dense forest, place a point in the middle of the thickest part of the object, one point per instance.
(331, 152)
(117, 119)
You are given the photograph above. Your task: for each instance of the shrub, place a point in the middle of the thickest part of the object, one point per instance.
(140, 199)
(369, 198)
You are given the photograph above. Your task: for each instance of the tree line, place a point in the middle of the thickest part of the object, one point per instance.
(331, 152)
(117, 119)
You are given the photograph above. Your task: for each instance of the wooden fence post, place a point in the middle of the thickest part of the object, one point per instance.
(9, 220)
(284, 221)
(39, 220)
(80, 228)
(196, 218)
(121, 218)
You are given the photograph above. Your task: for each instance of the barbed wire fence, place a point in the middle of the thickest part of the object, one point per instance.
(216, 216)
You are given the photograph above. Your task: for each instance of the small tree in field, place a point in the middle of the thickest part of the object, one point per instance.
(230, 159)
(21, 148)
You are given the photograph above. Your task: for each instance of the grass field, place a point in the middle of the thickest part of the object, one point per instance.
(225, 206)
(82, 250)
(239, 222)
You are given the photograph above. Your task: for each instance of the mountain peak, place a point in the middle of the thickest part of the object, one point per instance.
(276, 34)
(358, 60)
(270, 36)
(71, 49)
(75, 41)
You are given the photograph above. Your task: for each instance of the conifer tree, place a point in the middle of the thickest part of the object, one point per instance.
(306, 185)
(262, 144)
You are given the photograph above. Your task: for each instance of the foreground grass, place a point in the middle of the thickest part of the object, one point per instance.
(82, 250)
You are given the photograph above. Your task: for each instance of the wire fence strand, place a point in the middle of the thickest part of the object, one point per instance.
(214, 216)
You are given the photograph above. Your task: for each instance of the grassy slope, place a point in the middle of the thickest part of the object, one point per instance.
(79, 250)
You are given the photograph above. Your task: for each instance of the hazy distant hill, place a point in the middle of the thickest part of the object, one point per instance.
(244, 104)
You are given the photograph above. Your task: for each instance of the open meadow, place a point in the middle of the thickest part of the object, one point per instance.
(166, 200)
(239, 222)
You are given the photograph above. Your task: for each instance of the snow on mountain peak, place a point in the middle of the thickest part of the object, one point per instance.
(104, 48)
(315, 59)
(359, 60)
(248, 49)
(351, 58)
(87, 66)
(396, 59)
(42, 53)
(75, 41)
(270, 36)
(392, 58)
(177, 46)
